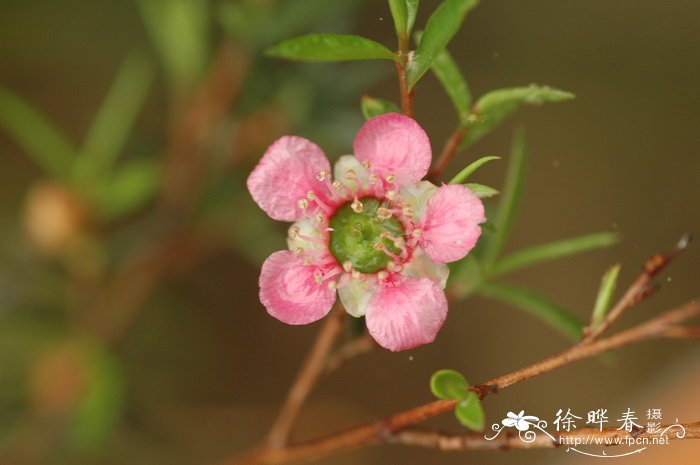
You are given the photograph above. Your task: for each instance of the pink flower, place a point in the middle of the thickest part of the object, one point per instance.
(377, 234)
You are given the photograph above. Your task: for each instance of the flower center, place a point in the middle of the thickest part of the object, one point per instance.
(366, 235)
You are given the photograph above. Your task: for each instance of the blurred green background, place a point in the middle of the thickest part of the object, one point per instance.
(130, 329)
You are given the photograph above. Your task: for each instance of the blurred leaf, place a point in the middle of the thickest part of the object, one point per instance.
(130, 188)
(376, 106)
(115, 118)
(537, 305)
(330, 47)
(605, 295)
(494, 107)
(100, 409)
(411, 10)
(470, 413)
(449, 385)
(49, 148)
(552, 251)
(510, 200)
(179, 30)
(465, 276)
(470, 169)
(442, 25)
(482, 191)
(262, 24)
(451, 78)
(399, 12)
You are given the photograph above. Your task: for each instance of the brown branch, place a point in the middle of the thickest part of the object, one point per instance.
(381, 431)
(638, 291)
(447, 154)
(308, 375)
(406, 94)
(511, 440)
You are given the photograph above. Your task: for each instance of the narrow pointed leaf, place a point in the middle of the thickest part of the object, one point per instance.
(470, 169)
(449, 385)
(115, 118)
(49, 148)
(552, 251)
(605, 295)
(494, 107)
(537, 305)
(510, 199)
(470, 413)
(130, 188)
(376, 106)
(330, 47)
(412, 10)
(442, 25)
(481, 191)
(400, 14)
(180, 32)
(451, 78)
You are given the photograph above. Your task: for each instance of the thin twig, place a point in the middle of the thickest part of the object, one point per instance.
(511, 439)
(381, 431)
(350, 350)
(448, 153)
(406, 94)
(638, 291)
(308, 375)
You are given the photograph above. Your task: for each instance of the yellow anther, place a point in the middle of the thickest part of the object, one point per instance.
(383, 213)
(356, 206)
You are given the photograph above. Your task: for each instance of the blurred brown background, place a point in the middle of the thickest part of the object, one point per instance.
(206, 367)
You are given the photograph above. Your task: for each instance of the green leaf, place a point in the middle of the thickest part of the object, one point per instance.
(449, 385)
(605, 295)
(100, 408)
(115, 118)
(49, 148)
(481, 191)
(130, 188)
(412, 10)
(179, 30)
(509, 200)
(470, 169)
(470, 413)
(452, 80)
(376, 106)
(494, 107)
(537, 305)
(442, 25)
(552, 251)
(330, 47)
(399, 12)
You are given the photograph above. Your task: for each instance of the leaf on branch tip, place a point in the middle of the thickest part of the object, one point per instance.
(330, 47)
(449, 385)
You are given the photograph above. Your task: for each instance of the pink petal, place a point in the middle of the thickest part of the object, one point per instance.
(451, 223)
(394, 144)
(405, 313)
(290, 292)
(285, 174)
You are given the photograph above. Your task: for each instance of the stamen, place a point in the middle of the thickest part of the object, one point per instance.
(407, 212)
(391, 195)
(332, 285)
(347, 266)
(293, 231)
(366, 164)
(320, 218)
(383, 213)
(417, 232)
(356, 206)
(394, 267)
(390, 179)
(323, 176)
(303, 204)
(382, 275)
(311, 195)
(356, 274)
